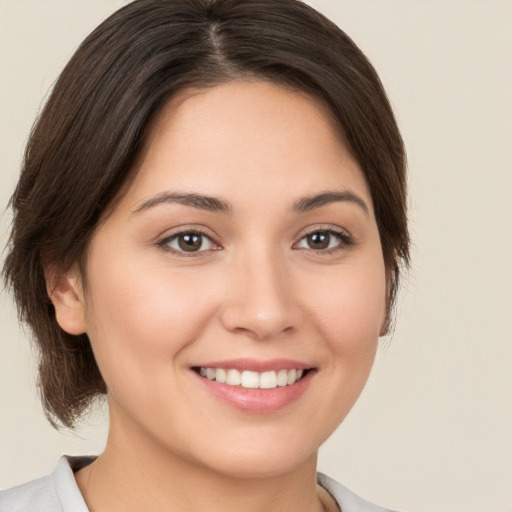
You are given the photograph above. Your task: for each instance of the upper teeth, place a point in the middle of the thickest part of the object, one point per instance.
(252, 380)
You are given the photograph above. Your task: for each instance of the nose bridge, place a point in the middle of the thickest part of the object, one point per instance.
(260, 301)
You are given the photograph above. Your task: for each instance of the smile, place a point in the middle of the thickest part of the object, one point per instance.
(251, 379)
(254, 385)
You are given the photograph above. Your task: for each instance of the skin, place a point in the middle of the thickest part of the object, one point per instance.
(256, 290)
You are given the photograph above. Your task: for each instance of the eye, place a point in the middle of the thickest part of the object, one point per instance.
(324, 240)
(188, 242)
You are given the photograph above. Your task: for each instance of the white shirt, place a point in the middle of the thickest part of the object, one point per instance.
(58, 492)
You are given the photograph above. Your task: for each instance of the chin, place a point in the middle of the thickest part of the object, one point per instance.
(259, 456)
(262, 465)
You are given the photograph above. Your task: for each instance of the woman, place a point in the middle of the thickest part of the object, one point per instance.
(208, 228)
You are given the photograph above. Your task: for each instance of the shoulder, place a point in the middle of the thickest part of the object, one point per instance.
(56, 492)
(347, 500)
(24, 497)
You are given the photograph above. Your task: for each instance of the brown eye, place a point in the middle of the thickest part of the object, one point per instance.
(319, 240)
(190, 242)
(322, 240)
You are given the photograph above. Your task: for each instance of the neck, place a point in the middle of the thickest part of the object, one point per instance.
(134, 473)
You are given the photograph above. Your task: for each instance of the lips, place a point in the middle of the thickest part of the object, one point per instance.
(254, 385)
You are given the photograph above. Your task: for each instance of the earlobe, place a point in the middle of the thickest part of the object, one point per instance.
(65, 292)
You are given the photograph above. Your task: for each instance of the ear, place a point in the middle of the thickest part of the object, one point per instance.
(65, 292)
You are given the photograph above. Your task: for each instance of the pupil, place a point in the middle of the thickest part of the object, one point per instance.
(319, 240)
(190, 243)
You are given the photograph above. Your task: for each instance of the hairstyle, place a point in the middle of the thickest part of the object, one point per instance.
(82, 150)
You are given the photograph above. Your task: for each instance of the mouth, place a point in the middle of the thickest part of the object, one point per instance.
(249, 379)
(255, 385)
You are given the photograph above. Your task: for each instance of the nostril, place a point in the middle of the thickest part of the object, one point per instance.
(251, 320)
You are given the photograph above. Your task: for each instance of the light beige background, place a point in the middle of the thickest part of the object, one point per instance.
(433, 429)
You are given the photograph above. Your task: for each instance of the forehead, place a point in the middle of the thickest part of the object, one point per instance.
(245, 136)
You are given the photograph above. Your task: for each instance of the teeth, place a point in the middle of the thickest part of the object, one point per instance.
(282, 378)
(252, 380)
(220, 375)
(233, 378)
(268, 380)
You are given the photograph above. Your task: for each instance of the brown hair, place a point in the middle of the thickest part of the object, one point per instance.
(82, 149)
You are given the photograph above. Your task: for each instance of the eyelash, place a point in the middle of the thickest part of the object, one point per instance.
(345, 241)
(164, 244)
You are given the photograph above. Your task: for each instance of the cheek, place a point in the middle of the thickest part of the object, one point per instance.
(141, 321)
(347, 309)
(350, 306)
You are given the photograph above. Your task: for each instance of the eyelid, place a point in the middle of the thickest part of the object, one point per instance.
(164, 241)
(346, 238)
(313, 228)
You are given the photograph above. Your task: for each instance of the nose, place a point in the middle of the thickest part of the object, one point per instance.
(261, 301)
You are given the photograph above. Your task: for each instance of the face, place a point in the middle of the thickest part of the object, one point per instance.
(236, 294)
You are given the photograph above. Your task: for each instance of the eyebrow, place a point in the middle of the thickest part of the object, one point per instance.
(215, 204)
(211, 204)
(306, 204)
